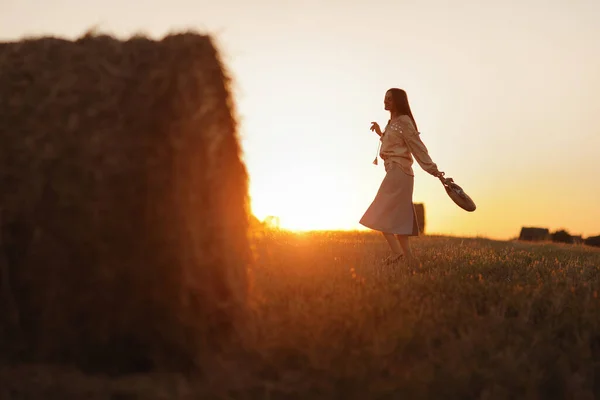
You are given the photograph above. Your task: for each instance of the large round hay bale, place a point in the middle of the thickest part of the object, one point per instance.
(123, 200)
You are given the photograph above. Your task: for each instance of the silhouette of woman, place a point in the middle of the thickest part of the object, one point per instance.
(392, 211)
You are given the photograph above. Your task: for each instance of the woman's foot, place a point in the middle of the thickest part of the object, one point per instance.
(394, 258)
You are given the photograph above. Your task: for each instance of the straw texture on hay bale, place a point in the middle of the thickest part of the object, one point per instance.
(123, 200)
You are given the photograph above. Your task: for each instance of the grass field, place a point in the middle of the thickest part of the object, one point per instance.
(480, 319)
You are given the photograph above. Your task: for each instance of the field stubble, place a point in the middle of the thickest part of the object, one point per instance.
(479, 319)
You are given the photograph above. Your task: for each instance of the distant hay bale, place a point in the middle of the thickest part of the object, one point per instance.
(534, 234)
(420, 214)
(593, 241)
(577, 239)
(123, 199)
(562, 236)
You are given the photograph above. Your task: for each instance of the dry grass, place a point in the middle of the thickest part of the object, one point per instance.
(480, 320)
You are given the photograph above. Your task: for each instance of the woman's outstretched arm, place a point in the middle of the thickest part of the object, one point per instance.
(416, 147)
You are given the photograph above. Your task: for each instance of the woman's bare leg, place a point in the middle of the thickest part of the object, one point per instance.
(408, 254)
(405, 246)
(394, 244)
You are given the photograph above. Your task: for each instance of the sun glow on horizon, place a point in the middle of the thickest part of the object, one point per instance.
(302, 213)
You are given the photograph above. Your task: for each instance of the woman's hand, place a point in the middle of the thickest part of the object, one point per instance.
(375, 128)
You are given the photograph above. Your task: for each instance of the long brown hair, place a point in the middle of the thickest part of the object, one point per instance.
(402, 105)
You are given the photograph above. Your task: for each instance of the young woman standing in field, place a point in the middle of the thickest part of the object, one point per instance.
(392, 211)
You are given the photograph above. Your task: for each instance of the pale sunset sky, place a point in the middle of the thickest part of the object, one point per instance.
(505, 93)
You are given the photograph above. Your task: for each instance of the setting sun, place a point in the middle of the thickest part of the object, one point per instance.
(300, 203)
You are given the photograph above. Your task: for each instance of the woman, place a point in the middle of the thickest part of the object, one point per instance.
(392, 212)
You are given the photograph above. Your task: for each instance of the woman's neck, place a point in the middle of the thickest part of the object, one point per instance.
(394, 114)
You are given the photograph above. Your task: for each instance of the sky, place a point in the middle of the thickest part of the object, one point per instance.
(505, 94)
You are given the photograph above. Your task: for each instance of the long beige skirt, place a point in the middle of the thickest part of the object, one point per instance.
(392, 210)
